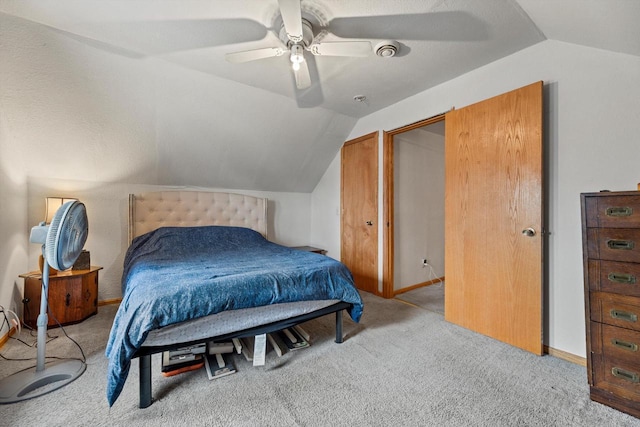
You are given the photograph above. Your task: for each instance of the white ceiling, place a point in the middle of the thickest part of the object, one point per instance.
(439, 39)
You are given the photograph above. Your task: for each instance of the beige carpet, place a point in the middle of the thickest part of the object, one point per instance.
(428, 297)
(402, 365)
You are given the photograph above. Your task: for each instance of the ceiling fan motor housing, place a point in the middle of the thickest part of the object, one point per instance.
(307, 35)
(387, 48)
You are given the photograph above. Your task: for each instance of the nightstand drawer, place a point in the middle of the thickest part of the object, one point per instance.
(613, 276)
(616, 310)
(614, 244)
(613, 211)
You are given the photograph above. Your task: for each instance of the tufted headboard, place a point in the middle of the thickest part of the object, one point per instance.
(148, 211)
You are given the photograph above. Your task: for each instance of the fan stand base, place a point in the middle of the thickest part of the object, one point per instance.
(29, 383)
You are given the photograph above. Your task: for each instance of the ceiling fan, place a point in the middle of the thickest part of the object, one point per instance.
(297, 35)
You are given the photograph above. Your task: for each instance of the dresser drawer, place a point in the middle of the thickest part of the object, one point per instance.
(616, 310)
(614, 244)
(614, 342)
(617, 376)
(613, 211)
(613, 276)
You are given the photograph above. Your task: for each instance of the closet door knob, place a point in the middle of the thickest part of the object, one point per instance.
(369, 223)
(529, 232)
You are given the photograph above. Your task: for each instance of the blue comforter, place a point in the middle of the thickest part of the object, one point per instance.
(175, 274)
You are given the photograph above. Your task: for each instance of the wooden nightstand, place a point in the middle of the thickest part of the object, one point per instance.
(73, 296)
(310, 249)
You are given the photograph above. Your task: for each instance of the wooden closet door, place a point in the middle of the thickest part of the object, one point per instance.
(359, 218)
(494, 194)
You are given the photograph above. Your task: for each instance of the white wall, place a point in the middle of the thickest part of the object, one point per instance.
(325, 211)
(591, 112)
(13, 241)
(418, 207)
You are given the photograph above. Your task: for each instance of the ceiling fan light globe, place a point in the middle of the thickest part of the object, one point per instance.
(296, 56)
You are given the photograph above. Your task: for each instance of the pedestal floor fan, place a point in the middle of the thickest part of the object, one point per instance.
(62, 241)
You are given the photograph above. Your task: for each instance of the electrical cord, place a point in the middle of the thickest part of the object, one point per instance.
(31, 330)
(27, 315)
(432, 274)
(12, 359)
(8, 323)
(26, 311)
(5, 321)
(16, 320)
(84, 358)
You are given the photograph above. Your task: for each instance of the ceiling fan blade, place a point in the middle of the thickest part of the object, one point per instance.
(341, 49)
(292, 19)
(158, 37)
(252, 55)
(303, 78)
(312, 96)
(443, 26)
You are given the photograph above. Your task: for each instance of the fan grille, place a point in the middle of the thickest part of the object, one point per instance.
(67, 235)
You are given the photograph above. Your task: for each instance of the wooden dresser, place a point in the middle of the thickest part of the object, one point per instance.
(611, 253)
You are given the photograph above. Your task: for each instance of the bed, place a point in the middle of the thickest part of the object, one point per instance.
(200, 268)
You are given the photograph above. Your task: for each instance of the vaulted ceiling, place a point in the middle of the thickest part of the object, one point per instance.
(291, 135)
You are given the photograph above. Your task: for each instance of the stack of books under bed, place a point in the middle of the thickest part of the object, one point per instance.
(217, 357)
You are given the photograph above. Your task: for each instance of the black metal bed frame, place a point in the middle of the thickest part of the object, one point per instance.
(144, 353)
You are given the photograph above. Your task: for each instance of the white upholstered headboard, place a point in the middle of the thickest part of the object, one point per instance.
(148, 211)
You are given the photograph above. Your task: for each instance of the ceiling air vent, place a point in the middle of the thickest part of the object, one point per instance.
(387, 48)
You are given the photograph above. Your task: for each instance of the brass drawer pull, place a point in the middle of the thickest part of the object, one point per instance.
(620, 244)
(623, 315)
(622, 278)
(625, 375)
(625, 345)
(619, 211)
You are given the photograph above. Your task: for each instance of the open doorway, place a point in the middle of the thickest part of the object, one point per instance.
(494, 249)
(414, 208)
